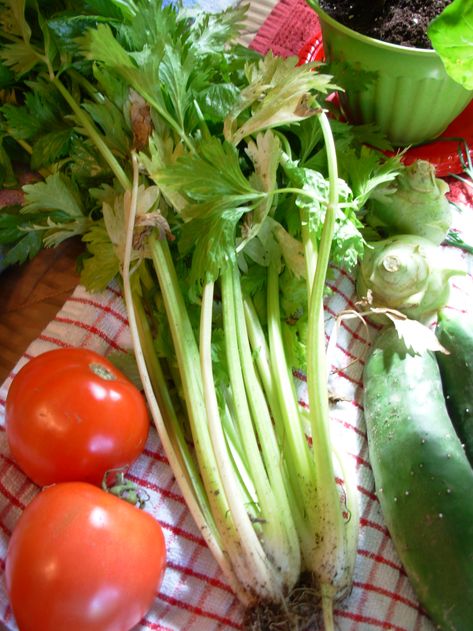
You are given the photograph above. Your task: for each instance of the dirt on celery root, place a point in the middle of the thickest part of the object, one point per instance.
(301, 611)
(402, 22)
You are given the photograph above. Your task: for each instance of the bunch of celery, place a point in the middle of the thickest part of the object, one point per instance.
(212, 188)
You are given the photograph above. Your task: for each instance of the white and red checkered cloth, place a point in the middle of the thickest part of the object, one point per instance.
(194, 595)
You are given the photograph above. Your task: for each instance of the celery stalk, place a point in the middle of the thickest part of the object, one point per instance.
(329, 560)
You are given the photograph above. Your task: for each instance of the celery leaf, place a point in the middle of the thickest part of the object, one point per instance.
(279, 92)
(57, 192)
(213, 175)
(102, 264)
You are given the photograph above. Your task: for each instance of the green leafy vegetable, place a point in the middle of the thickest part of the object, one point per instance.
(414, 203)
(451, 34)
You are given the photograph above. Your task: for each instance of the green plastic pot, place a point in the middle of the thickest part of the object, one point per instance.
(405, 91)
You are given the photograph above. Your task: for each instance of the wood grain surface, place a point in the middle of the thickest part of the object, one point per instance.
(30, 297)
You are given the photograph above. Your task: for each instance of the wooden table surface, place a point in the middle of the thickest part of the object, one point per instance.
(30, 297)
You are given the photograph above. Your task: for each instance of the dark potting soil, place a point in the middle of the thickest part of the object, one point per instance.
(401, 22)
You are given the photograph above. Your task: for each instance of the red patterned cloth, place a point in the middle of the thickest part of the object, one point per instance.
(288, 28)
(194, 595)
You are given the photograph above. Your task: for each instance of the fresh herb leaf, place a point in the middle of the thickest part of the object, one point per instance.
(212, 177)
(116, 9)
(211, 32)
(176, 74)
(101, 265)
(265, 154)
(279, 93)
(51, 147)
(365, 170)
(417, 337)
(348, 242)
(57, 192)
(27, 247)
(212, 243)
(111, 121)
(217, 100)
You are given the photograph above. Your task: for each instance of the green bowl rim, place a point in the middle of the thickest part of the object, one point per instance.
(408, 50)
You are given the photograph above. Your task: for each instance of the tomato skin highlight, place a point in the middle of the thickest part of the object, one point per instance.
(81, 559)
(70, 415)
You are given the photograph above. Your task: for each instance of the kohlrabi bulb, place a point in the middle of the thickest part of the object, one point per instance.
(406, 273)
(414, 203)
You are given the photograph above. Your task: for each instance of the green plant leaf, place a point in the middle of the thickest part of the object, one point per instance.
(451, 34)
(57, 192)
(68, 28)
(102, 264)
(111, 121)
(118, 9)
(213, 175)
(27, 247)
(211, 32)
(279, 93)
(217, 100)
(100, 45)
(51, 147)
(20, 57)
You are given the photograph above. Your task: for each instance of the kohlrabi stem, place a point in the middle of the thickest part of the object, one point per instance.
(456, 241)
(93, 134)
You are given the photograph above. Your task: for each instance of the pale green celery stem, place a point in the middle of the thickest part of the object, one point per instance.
(239, 462)
(160, 388)
(270, 447)
(214, 544)
(310, 250)
(261, 353)
(261, 571)
(352, 523)
(329, 557)
(300, 468)
(93, 134)
(262, 359)
(188, 360)
(231, 432)
(273, 537)
(286, 390)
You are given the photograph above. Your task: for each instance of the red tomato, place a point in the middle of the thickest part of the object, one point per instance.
(71, 415)
(81, 559)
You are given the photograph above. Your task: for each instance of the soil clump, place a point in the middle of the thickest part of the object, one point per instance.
(402, 22)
